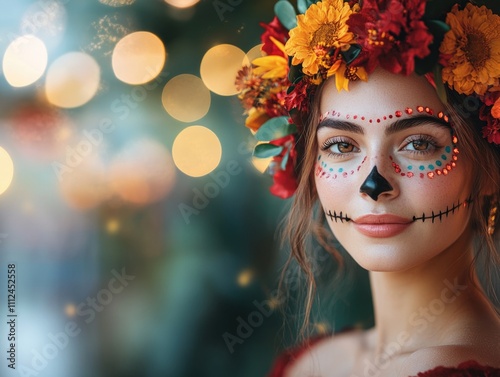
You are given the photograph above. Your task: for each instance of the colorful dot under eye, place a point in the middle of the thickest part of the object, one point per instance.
(433, 169)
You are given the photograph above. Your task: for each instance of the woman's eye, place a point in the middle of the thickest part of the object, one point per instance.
(419, 145)
(343, 147)
(339, 147)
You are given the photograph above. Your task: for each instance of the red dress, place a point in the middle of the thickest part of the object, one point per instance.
(466, 369)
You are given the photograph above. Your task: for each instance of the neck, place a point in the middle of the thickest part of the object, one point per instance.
(421, 305)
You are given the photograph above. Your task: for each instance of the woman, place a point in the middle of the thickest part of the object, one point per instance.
(404, 169)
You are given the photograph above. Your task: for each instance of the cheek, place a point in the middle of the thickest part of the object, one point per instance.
(336, 184)
(327, 171)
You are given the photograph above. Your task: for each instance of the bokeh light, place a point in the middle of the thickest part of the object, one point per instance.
(7, 169)
(186, 98)
(255, 52)
(40, 131)
(85, 186)
(24, 61)
(106, 31)
(143, 172)
(182, 3)
(196, 151)
(245, 277)
(70, 310)
(112, 226)
(72, 80)
(220, 66)
(138, 58)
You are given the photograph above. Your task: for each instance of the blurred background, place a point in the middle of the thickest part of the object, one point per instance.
(144, 237)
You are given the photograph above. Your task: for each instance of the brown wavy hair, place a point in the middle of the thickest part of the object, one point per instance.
(306, 222)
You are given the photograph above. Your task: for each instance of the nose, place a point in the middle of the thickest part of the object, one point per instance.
(375, 184)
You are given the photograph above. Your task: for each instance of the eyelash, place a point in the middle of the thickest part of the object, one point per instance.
(426, 138)
(337, 140)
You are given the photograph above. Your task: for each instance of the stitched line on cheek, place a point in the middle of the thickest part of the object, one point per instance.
(445, 213)
(337, 217)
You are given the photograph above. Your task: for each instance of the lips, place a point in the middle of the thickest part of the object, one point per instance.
(381, 226)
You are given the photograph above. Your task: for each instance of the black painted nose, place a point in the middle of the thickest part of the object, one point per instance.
(375, 184)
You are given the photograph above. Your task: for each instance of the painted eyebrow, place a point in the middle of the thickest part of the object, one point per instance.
(398, 125)
(341, 125)
(403, 124)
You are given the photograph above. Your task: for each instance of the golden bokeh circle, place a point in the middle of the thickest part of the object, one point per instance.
(142, 172)
(7, 169)
(138, 58)
(72, 80)
(24, 61)
(186, 98)
(255, 52)
(182, 3)
(219, 67)
(197, 151)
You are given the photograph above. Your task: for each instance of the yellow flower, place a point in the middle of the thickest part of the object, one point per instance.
(345, 74)
(272, 66)
(256, 118)
(471, 50)
(320, 30)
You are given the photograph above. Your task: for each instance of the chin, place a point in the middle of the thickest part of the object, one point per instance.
(387, 258)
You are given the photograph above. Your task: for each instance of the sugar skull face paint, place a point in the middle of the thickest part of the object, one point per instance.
(386, 221)
(434, 216)
(440, 167)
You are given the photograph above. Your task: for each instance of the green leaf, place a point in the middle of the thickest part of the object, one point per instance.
(275, 128)
(286, 14)
(302, 6)
(295, 74)
(437, 26)
(284, 161)
(267, 150)
(440, 88)
(351, 54)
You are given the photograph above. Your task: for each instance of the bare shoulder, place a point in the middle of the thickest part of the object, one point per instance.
(335, 353)
(451, 356)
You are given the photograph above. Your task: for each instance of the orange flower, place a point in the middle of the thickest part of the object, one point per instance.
(471, 50)
(256, 118)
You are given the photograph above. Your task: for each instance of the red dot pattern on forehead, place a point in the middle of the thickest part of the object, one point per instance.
(398, 114)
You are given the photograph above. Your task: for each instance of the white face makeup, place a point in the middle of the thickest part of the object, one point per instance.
(388, 173)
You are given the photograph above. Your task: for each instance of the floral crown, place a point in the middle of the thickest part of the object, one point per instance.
(455, 44)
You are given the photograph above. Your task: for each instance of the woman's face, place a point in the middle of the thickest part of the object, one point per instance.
(391, 181)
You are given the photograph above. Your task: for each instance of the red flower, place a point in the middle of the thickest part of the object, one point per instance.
(285, 182)
(492, 129)
(298, 98)
(391, 34)
(273, 29)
